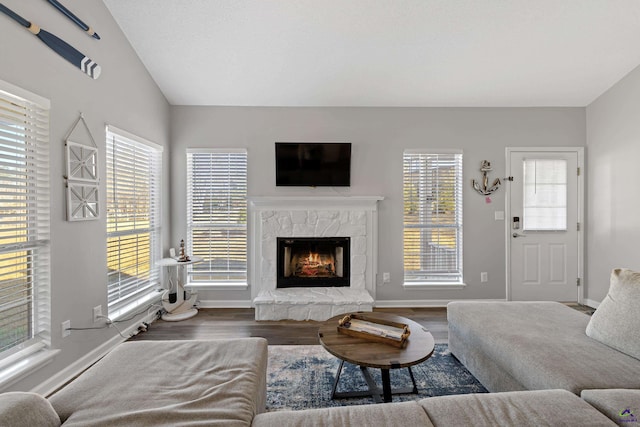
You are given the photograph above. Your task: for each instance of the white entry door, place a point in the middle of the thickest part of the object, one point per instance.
(544, 238)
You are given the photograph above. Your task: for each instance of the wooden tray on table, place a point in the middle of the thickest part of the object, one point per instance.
(373, 329)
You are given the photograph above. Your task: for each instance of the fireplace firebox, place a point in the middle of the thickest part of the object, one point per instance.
(313, 262)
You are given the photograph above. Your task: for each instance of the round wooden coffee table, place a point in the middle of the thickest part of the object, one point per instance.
(370, 354)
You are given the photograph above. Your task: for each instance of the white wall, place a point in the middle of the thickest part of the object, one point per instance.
(379, 136)
(613, 153)
(124, 96)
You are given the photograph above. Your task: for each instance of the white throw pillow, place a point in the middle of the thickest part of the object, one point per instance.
(616, 322)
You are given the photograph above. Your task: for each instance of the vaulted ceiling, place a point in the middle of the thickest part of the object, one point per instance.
(488, 53)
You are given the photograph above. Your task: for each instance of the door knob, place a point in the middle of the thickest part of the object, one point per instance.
(518, 235)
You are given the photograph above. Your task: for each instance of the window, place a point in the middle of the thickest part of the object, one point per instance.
(217, 215)
(545, 195)
(133, 220)
(24, 228)
(432, 217)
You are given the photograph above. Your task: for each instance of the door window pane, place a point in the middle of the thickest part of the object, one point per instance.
(545, 195)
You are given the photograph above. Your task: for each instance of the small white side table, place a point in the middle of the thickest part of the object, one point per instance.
(174, 302)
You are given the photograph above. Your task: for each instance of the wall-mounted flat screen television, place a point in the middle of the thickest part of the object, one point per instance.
(313, 164)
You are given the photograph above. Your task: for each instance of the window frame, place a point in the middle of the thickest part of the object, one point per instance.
(31, 113)
(424, 277)
(146, 289)
(230, 284)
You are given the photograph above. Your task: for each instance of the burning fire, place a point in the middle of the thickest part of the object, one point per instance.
(316, 264)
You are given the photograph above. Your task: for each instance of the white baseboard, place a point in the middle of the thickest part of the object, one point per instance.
(590, 303)
(422, 303)
(224, 304)
(70, 372)
(381, 303)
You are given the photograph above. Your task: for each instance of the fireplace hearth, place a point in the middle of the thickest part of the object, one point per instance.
(313, 262)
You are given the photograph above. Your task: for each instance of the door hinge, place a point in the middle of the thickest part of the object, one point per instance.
(578, 171)
(578, 227)
(578, 281)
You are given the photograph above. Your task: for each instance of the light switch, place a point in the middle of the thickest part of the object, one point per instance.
(499, 215)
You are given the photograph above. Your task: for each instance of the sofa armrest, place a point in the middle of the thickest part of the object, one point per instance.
(20, 409)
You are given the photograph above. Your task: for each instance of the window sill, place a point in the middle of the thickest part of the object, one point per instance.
(24, 363)
(434, 285)
(217, 286)
(128, 309)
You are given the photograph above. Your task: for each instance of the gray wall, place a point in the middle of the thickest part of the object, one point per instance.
(124, 96)
(379, 136)
(613, 146)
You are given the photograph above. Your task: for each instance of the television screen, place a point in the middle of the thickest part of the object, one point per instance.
(307, 164)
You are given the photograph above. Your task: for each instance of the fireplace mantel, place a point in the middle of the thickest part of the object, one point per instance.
(325, 202)
(306, 216)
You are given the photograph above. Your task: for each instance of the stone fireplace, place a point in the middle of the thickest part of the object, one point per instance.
(280, 222)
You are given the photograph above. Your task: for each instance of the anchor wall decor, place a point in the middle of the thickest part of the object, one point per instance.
(485, 190)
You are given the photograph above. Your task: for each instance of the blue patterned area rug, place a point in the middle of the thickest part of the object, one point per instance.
(301, 377)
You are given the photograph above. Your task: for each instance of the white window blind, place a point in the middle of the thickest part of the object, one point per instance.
(24, 221)
(432, 217)
(133, 218)
(545, 195)
(217, 214)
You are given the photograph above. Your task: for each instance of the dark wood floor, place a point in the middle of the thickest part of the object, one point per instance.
(239, 322)
(221, 323)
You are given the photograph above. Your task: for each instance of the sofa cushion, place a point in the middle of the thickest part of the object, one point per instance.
(515, 408)
(384, 414)
(168, 383)
(616, 322)
(620, 405)
(19, 409)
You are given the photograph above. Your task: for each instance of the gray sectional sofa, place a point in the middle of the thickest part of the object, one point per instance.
(545, 363)
(511, 346)
(155, 383)
(197, 383)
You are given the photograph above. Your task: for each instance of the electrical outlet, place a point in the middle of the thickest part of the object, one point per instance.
(65, 326)
(97, 313)
(386, 277)
(484, 276)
